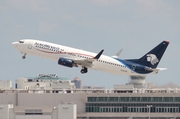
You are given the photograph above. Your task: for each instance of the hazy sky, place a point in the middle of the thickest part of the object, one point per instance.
(134, 25)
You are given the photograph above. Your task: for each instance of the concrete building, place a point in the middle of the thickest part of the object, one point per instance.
(5, 111)
(5, 84)
(67, 111)
(47, 97)
(77, 82)
(93, 103)
(62, 111)
(42, 81)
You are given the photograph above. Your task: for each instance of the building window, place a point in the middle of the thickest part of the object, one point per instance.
(16, 86)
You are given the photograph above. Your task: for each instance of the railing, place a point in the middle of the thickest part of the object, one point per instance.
(155, 90)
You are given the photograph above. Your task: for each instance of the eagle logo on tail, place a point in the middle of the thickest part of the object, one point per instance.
(152, 59)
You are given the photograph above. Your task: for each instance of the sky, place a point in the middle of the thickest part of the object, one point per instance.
(136, 26)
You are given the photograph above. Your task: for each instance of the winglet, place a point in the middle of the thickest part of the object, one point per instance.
(99, 54)
(117, 54)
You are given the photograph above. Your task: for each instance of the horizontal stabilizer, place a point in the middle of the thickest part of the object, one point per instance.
(161, 69)
(156, 69)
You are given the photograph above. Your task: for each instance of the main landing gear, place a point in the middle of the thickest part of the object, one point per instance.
(84, 70)
(24, 56)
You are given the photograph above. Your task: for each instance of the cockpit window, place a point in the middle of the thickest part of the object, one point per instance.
(21, 41)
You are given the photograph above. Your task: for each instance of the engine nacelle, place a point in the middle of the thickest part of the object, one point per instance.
(65, 62)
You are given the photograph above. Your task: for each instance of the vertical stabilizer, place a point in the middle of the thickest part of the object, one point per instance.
(153, 57)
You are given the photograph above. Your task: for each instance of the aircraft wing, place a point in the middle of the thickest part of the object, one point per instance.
(88, 62)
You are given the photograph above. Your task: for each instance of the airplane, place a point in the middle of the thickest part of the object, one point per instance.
(72, 57)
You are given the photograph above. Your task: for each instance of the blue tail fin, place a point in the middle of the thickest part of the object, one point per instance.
(153, 57)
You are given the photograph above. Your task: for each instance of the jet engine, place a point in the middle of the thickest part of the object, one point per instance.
(65, 62)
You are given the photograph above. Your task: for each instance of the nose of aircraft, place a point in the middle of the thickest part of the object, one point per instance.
(14, 44)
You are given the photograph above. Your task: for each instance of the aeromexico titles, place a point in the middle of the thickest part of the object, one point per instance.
(71, 57)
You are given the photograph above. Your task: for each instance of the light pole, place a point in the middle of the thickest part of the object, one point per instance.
(149, 106)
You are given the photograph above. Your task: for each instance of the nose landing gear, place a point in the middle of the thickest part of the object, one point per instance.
(24, 56)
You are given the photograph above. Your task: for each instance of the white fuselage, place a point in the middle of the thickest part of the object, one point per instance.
(54, 52)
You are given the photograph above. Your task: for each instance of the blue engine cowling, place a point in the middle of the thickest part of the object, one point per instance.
(65, 62)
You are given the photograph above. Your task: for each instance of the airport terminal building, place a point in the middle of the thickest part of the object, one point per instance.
(43, 99)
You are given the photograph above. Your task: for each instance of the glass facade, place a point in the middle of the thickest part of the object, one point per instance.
(133, 104)
(133, 99)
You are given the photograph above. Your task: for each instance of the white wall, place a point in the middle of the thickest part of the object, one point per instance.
(33, 117)
(55, 113)
(51, 100)
(8, 98)
(4, 111)
(67, 111)
(5, 84)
